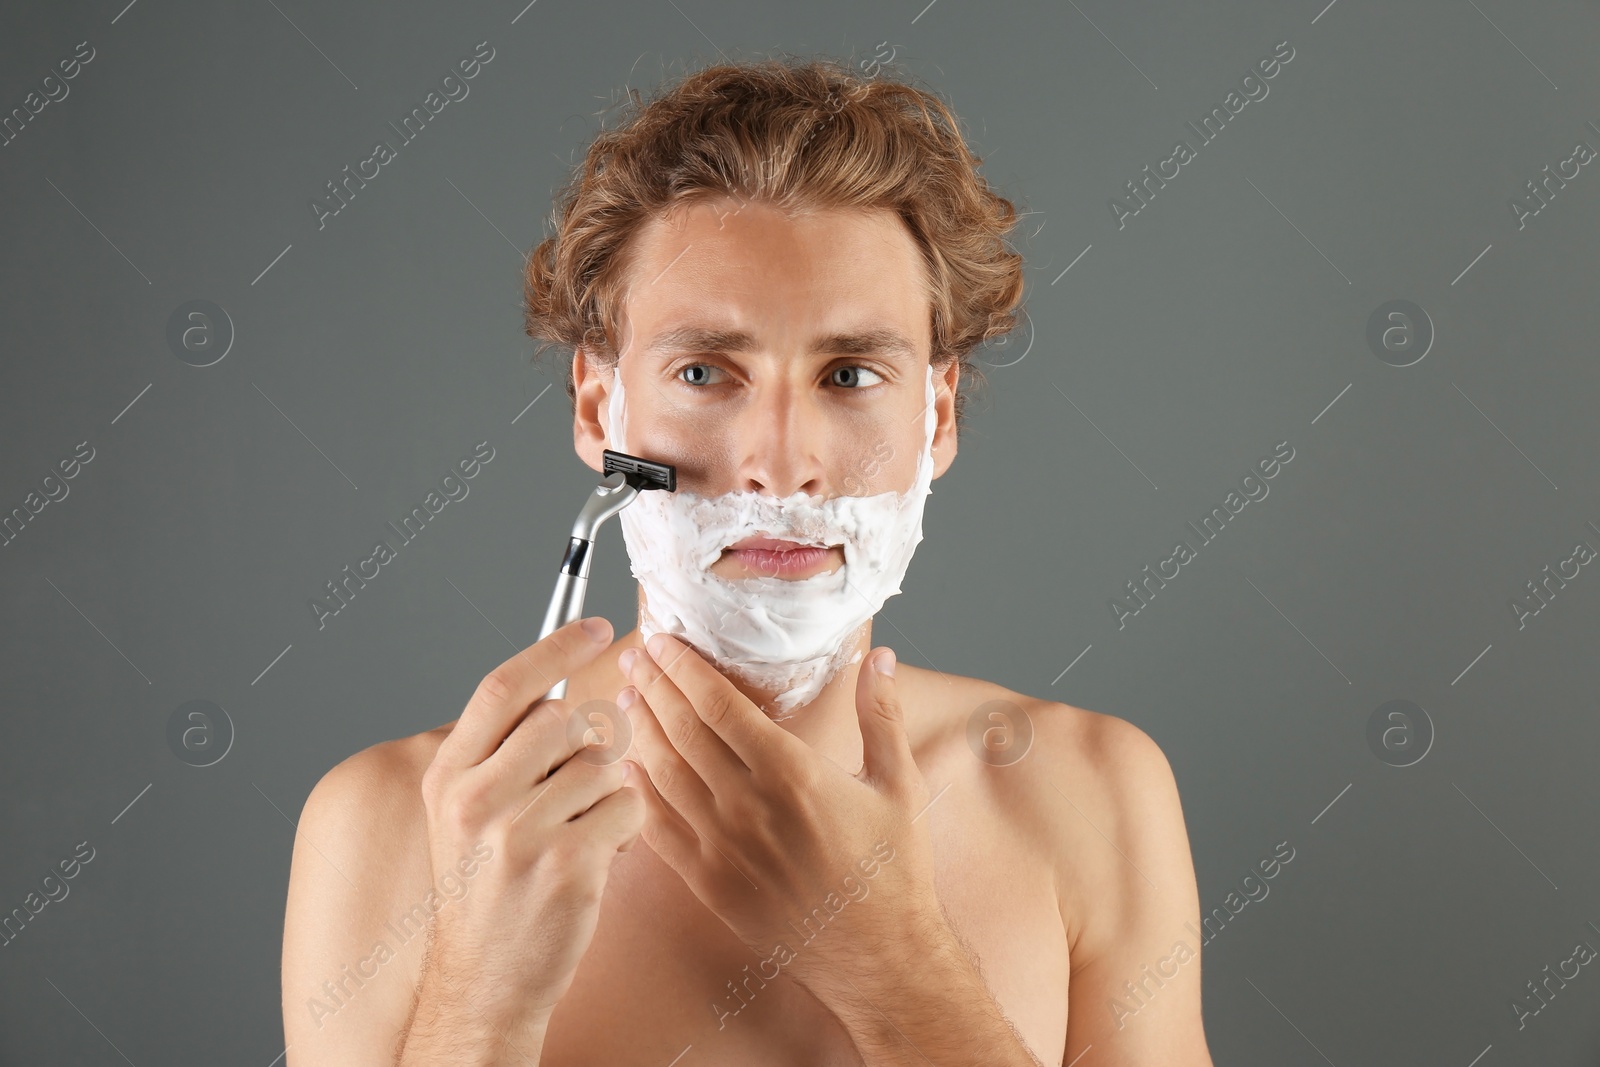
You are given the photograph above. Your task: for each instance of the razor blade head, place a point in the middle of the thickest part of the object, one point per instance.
(642, 474)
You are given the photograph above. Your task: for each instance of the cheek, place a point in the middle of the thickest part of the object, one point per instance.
(701, 444)
(875, 457)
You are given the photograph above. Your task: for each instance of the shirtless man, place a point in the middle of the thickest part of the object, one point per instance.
(853, 884)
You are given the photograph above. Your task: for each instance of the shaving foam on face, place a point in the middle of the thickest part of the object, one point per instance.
(783, 636)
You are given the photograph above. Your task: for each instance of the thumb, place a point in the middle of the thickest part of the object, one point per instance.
(886, 750)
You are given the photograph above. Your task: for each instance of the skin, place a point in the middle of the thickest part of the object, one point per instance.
(1020, 897)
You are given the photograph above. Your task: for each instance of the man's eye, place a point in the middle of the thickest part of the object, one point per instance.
(851, 375)
(857, 369)
(703, 368)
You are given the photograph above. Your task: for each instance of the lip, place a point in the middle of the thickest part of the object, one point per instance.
(768, 544)
(795, 563)
(778, 558)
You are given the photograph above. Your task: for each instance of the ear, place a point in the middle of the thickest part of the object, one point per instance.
(945, 382)
(591, 384)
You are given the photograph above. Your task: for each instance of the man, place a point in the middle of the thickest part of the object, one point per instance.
(872, 873)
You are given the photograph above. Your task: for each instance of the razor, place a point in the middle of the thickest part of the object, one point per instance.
(625, 478)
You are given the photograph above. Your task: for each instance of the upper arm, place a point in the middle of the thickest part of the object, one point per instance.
(348, 977)
(1134, 992)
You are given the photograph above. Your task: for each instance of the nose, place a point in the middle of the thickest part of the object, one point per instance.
(780, 434)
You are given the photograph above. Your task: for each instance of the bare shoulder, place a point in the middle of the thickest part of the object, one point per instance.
(368, 807)
(1125, 885)
(1112, 754)
(1121, 843)
(1001, 727)
(384, 776)
(360, 853)
(1092, 792)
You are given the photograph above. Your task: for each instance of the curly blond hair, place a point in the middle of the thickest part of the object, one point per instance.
(798, 136)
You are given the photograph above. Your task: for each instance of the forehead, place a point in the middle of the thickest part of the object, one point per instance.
(749, 266)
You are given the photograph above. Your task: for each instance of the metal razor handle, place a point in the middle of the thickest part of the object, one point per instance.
(566, 602)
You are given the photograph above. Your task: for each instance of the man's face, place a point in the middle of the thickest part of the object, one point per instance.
(774, 355)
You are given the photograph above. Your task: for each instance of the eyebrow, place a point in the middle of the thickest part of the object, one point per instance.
(850, 343)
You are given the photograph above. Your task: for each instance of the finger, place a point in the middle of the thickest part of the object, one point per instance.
(571, 790)
(553, 731)
(674, 840)
(614, 821)
(886, 757)
(705, 713)
(671, 777)
(696, 743)
(539, 745)
(506, 692)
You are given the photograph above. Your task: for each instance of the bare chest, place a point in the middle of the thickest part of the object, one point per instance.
(664, 978)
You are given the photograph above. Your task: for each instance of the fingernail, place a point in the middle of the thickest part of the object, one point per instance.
(597, 628)
(626, 660)
(885, 663)
(627, 771)
(627, 697)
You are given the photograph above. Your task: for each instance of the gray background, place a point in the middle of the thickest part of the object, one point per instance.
(1227, 316)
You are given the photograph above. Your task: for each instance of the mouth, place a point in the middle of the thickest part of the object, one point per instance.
(779, 558)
